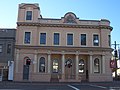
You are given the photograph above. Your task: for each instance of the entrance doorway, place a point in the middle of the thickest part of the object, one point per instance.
(55, 70)
(69, 74)
(26, 72)
(5, 74)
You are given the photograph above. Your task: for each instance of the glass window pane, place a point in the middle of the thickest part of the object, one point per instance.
(81, 66)
(9, 48)
(42, 38)
(96, 66)
(29, 15)
(42, 64)
(56, 38)
(0, 48)
(95, 40)
(109, 40)
(83, 39)
(69, 39)
(55, 65)
(27, 37)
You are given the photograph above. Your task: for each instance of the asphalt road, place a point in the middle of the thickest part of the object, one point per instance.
(60, 86)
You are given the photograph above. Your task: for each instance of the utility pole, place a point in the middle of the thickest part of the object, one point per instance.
(115, 55)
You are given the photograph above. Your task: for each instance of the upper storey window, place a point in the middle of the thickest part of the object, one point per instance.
(69, 39)
(9, 47)
(56, 38)
(96, 40)
(42, 38)
(27, 37)
(109, 40)
(1, 48)
(83, 39)
(29, 15)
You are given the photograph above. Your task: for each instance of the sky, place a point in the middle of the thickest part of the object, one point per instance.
(83, 9)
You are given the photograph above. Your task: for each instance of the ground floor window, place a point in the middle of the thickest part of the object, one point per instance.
(42, 64)
(55, 66)
(96, 65)
(81, 66)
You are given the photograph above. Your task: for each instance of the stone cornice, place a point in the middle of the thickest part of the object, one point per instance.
(63, 48)
(64, 25)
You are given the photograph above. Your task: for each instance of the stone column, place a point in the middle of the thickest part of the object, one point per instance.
(35, 63)
(49, 63)
(77, 66)
(63, 66)
(103, 64)
(17, 60)
(91, 64)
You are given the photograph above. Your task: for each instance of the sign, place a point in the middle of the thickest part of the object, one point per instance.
(112, 64)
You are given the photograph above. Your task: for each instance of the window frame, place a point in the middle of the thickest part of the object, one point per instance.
(1, 48)
(30, 38)
(94, 39)
(40, 65)
(26, 15)
(54, 39)
(55, 63)
(85, 39)
(98, 68)
(9, 52)
(109, 40)
(67, 39)
(40, 38)
(82, 65)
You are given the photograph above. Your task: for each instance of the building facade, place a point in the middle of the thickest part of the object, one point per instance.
(7, 43)
(63, 50)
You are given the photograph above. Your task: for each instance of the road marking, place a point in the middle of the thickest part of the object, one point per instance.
(73, 87)
(98, 86)
(114, 88)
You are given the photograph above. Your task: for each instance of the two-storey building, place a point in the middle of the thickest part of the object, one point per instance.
(64, 50)
(7, 43)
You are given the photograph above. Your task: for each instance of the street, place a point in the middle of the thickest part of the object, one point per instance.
(60, 86)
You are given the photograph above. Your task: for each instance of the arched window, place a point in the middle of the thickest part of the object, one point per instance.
(42, 64)
(81, 66)
(55, 66)
(96, 65)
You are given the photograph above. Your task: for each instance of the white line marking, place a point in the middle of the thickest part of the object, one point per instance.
(73, 87)
(98, 86)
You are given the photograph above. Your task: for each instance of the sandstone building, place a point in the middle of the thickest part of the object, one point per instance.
(64, 50)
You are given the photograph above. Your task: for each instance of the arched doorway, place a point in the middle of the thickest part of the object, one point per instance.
(68, 69)
(55, 71)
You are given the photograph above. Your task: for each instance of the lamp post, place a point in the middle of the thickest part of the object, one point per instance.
(115, 55)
